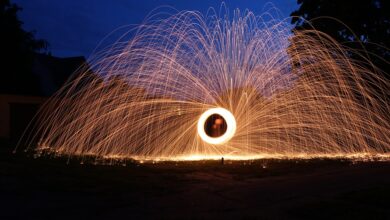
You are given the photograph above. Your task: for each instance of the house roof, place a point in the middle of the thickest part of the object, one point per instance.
(52, 72)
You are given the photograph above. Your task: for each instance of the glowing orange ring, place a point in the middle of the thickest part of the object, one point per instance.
(230, 121)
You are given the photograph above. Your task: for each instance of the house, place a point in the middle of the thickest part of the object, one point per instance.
(17, 109)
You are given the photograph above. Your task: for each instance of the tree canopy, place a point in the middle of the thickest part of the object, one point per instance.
(369, 21)
(17, 52)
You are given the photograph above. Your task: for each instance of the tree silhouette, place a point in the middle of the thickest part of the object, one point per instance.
(17, 52)
(368, 19)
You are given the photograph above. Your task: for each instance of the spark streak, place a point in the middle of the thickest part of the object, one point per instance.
(279, 93)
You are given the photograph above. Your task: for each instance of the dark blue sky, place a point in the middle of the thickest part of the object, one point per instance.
(75, 27)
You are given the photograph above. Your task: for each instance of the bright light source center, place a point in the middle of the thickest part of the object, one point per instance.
(216, 126)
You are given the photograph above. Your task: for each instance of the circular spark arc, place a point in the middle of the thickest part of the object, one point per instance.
(293, 95)
(230, 122)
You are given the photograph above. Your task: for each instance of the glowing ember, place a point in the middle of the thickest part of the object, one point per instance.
(190, 87)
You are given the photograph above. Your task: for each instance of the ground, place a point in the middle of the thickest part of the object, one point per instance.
(32, 188)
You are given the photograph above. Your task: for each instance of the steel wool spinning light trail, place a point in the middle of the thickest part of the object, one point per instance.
(190, 86)
(216, 126)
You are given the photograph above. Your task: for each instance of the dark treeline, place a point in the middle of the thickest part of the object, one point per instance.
(369, 21)
(18, 48)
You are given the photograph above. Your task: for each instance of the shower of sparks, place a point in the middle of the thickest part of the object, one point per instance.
(290, 95)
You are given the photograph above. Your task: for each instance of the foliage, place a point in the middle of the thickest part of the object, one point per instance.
(17, 51)
(363, 25)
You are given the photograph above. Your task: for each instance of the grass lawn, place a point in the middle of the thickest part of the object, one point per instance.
(302, 189)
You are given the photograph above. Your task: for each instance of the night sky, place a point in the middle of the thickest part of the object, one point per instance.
(75, 27)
